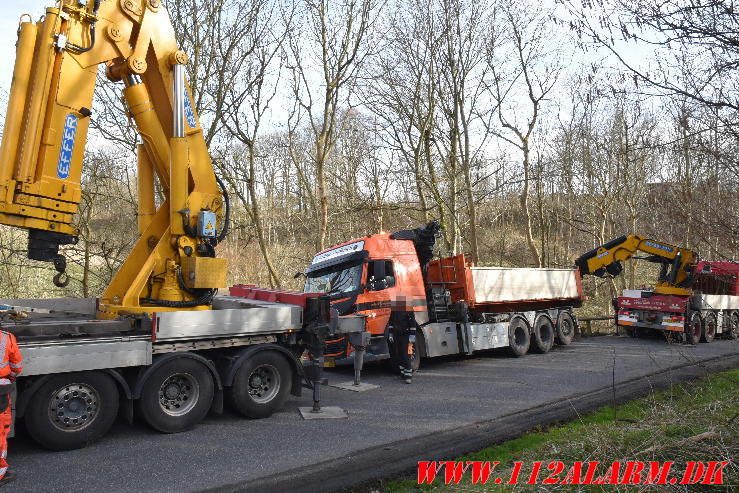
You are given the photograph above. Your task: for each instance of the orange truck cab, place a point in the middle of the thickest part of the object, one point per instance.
(369, 276)
(458, 308)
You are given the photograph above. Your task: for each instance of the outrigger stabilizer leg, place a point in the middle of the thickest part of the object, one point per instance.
(321, 325)
(359, 341)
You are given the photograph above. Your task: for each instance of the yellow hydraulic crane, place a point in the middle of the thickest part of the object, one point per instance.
(173, 264)
(677, 263)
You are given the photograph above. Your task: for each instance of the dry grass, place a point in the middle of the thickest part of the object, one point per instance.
(695, 421)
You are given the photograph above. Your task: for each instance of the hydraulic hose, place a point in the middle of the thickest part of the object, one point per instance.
(205, 299)
(79, 49)
(227, 216)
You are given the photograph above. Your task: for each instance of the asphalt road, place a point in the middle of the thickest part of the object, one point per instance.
(454, 405)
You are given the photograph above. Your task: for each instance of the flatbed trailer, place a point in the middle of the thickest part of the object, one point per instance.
(170, 370)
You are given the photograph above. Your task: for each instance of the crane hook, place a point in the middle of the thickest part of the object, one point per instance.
(61, 279)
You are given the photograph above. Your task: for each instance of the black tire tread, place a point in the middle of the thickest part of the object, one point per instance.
(516, 349)
(148, 405)
(541, 344)
(690, 337)
(560, 337)
(47, 435)
(238, 393)
(708, 319)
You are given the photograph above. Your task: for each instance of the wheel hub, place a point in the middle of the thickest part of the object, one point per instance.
(74, 406)
(264, 383)
(178, 394)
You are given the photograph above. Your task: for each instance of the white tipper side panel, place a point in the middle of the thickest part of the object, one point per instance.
(497, 284)
(716, 302)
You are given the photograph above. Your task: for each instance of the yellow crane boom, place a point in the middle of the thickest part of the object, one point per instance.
(173, 264)
(677, 263)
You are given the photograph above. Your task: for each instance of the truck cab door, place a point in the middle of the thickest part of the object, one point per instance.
(376, 301)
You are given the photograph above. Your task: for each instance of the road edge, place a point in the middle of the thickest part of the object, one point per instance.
(398, 457)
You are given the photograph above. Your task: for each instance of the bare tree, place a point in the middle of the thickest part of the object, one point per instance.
(246, 100)
(527, 80)
(337, 34)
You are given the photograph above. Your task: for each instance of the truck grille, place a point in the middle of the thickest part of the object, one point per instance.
(336, 347)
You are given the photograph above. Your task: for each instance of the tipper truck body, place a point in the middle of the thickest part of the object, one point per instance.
(458, 308)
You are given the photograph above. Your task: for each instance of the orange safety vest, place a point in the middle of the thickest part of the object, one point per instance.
(11, 361)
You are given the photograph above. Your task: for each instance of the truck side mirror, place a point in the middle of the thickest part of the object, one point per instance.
(299, 275)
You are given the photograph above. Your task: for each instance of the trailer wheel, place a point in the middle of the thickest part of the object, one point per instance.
(694, 329)
(709, 328)
(261, 385)
(733, 325)
(542, 336)
(72, 410)
(176, 396)
(565, 328)
(519, 338)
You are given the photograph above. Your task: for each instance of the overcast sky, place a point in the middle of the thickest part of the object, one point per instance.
(9, 17)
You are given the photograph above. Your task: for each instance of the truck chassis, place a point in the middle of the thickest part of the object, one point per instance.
(170, 371)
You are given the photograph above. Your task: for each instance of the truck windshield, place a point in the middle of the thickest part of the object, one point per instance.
(335, 280)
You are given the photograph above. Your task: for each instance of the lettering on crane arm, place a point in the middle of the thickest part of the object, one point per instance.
(664, 248)
(192, 122)
(65, 153)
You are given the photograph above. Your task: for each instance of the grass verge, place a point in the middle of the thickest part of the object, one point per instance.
(692, 421)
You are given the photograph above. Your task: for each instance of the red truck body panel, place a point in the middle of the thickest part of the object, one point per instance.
(657, 302)
(272, 295)
(717, 277)
(455, 273)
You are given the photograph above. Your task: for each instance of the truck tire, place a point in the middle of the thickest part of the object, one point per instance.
(542, 335)
(261, 385)
(694, 328)
(72, 410)
(519, 338)
(176, 396)
(709, 328)
(565, 328)
(733, 332)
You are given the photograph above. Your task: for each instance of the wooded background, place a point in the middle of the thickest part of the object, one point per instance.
(532, 131)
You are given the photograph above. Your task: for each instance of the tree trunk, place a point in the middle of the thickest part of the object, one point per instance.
(321, 187)
(274, 281)
(525, 206)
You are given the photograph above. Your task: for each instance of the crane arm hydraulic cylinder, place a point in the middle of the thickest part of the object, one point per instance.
(173, 265)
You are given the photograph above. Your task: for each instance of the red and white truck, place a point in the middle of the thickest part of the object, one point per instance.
(712, 309)
(698, 299)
